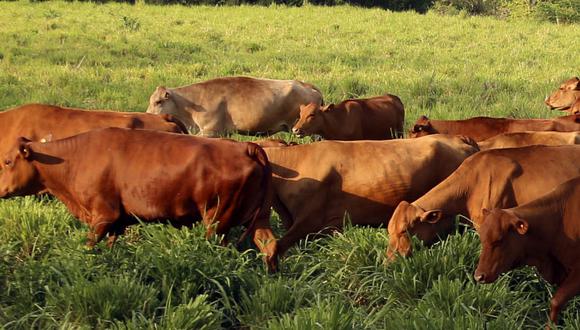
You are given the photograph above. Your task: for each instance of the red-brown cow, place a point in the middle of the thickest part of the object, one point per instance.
(481, 128)
(376, 118)
(524, 139)
(317, 185)
(544, 233)
(488, 179)
(106, 177)
(38, 121)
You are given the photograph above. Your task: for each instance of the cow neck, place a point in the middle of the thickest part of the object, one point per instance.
(448, 196)
(52, 163)
(331, 128)
(183, 98)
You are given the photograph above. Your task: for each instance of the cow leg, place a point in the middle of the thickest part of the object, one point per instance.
(569, 288)
(116, 230)
(103, 216)
(216, 226)
(265, 240)
(98, 232)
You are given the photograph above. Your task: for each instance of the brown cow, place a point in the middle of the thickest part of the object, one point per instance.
(106, 177)
(565, 96)
(41, 121)
(236, 104)
(489, 179)
(544, 233)
(315, 185)
(377, 118)
(524, 139)
(481, 128)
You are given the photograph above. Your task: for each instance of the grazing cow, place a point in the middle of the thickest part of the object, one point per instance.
(41, 121)
(524, 139)
(236, 104)
(544, 233)
(489, 179)
(316, 185)
(565, 96)
(106, 177)
(377, 118)
(481, 128)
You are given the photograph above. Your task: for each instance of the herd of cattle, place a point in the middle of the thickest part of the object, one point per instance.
(518, 180)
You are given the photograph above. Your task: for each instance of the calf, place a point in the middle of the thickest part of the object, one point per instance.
(377, 118)
(488, 179)
(523, 139)
(106, 177)
(316, 185)
(565, 96)
(481, 128)
(544, 233)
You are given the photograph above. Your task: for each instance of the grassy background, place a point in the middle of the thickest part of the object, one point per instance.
(157, 277)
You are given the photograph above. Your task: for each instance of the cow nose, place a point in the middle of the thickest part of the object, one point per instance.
(479, 277)
(297, 131)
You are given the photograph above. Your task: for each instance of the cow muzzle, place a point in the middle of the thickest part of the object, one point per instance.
(298, 132)
(479, 277)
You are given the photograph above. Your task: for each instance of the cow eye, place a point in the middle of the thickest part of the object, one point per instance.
(7, 162)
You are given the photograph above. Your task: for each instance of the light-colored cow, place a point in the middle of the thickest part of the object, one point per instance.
(236, 104)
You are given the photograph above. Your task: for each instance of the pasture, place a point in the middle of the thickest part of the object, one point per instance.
(113, 56)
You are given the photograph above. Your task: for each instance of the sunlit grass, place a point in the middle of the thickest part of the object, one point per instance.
(158, 277)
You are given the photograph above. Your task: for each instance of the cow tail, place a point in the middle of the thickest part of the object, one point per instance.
(259, 155)
(469, 141)
(180, 125)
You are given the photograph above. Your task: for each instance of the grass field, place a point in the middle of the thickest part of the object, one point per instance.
(113, 56)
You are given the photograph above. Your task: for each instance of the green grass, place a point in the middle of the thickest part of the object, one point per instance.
(158, 277)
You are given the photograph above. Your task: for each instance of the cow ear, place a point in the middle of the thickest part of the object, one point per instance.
(162, 92)
(24, 147)
(521, 226)
(432, 216)
(577, 87)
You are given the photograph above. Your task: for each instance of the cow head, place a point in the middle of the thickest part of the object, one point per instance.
(18, 176)
(564, 97)
(501, 234)
(409, 219)
(422, 127)
(161, 101)
(310, 121)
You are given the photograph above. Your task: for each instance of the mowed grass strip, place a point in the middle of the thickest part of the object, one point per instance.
(157, 277)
